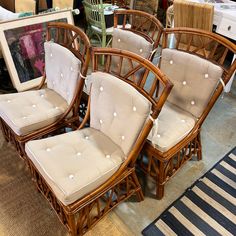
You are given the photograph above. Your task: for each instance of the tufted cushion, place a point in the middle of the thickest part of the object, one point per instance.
(127, 40)
(75, 163)
(62, 70)
(173, 125)
(194, 79)
(117, 109)
(28, 111)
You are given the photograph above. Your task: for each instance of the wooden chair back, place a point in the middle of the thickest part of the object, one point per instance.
(141, 23)
(146, 86)
(78, 43)
(211, 47)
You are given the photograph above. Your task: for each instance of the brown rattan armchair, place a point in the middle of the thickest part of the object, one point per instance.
(86, 173)
(54, 105)
(199, 74)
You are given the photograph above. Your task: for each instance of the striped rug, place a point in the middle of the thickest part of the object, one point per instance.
(206, 208)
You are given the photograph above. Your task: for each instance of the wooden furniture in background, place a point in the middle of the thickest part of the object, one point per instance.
(199, 75)
(22, 127)
(107, 143)
(94, 12)
(149, 6)
(193, 15)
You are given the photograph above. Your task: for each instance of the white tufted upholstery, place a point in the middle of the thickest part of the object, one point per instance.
(173, 125)
(194, 79)
(28, 111)
(62, 70)
(127, 40)
(117, 109)
(75, 163)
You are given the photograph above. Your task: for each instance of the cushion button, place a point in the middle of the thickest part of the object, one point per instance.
(100, 121)
(114, 114)
(86, 137)
(123, 137)
(48, 149)
(108, 156)
(184, 82)
(8, 100)
(56, 108)
(206, 76)
(24, 117)
(192, 103)
(61, 75)
(51, 54)
(134, 108)
(101, 89)
(183, 121)
(71, 176)
(158, 135)
(42, 95)
(71, 68)
(171, 62)
(78, 154)
(33, 105)
(141, 50)
(118, 40)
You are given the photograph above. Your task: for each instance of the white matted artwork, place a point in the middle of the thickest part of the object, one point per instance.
(22, 45)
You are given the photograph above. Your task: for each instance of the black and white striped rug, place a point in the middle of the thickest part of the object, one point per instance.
(206, 208)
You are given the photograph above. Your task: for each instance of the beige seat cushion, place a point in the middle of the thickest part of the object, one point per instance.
(28, 111)
(117, 109)
(62, 69)
(75, 163)
(172, 125)
(194, 79)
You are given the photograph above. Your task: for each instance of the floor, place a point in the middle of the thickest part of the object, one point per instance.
(130, 217)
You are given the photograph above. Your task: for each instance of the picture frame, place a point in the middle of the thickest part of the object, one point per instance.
(22, 47)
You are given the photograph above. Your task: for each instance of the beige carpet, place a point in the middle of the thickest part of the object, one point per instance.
(25, 212)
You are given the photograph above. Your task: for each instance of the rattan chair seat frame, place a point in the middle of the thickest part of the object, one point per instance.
(163, 165)
(84, 213)
(78, 43)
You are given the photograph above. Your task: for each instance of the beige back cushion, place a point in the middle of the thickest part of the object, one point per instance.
(117, 109)
(127, 40)
(194, 79)
(62, 70)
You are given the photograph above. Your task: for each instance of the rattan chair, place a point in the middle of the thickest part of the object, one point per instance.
(54, 105)
(142, 39)
(86, 173)
(199, 75)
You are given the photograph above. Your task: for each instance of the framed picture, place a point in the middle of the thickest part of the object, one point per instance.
(22, 45)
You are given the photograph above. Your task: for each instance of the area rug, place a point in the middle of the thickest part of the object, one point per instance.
(208, 207)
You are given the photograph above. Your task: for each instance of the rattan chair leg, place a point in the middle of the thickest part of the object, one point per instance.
(199, 147)
(160, 179)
